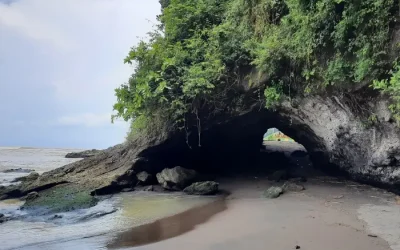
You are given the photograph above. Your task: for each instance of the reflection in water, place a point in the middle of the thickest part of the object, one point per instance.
(168, 227)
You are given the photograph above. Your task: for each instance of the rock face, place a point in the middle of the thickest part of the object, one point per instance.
(273, 192)
(176, 178)
(356, 134)
(83, 154)
(202, 188)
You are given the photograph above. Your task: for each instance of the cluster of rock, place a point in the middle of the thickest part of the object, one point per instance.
(179, 179)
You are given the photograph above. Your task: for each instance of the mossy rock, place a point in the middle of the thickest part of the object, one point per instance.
(62, 198)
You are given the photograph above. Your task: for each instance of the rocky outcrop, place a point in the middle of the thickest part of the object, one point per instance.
(31, 177)
(83, 154)
(356, 133)
(176, 178)
(202, 188)
(108, 172)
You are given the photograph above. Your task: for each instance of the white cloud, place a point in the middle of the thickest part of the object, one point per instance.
(16, 18)
(64, 58)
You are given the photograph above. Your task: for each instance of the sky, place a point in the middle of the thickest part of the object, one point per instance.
(60, 61)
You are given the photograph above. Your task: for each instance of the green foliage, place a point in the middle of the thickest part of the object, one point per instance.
(272, 96)
(191, 66)
(391, 87)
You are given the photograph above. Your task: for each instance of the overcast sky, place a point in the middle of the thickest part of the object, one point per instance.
(60, 61)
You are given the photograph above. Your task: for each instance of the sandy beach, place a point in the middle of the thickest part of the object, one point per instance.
(329, 215)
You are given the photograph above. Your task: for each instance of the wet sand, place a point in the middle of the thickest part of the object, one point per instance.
(328, 215)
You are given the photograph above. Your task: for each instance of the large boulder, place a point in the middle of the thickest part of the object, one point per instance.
(202, 188)
(176, 178)
(273, 192)
(144, 178)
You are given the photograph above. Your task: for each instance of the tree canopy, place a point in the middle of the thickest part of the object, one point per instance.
(191, 64)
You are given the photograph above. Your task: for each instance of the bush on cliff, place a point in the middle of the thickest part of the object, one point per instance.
(191, 67)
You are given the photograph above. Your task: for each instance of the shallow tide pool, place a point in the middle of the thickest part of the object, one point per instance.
(90, 229)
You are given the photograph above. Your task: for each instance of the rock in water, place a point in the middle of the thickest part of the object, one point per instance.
(18, 170)
(31, 177)
(83, 154)
(176, 178)
(202, 188)
(31, 196)
(273, 192)
(149, 189)
(144, 178)
(290, 186)
(3, 218)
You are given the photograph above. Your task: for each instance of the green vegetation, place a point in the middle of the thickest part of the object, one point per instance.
(62, 198)
(189, 69)
(392, 88)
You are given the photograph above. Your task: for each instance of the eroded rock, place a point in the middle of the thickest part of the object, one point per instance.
(176, 178)
(202, 188)
(273, 192)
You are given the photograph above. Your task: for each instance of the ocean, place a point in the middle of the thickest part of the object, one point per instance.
(19, 161)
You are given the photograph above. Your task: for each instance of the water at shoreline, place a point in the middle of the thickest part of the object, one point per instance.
(134, 212)
(111, 218)
(25, 158)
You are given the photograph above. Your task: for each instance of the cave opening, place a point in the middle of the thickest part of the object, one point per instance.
(243, 146)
